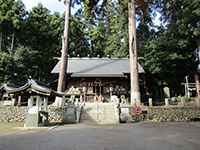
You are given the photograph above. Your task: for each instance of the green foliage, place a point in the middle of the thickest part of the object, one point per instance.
(5, 65)
(37, 42)
(93, 8)
(101, 28)
(78, 43)
(27, 61)
(117, 36)
(167, 61)
(12, 14)
(16, 68)
(182, 17)
(168, 51)
(42, 34)
(96, 36)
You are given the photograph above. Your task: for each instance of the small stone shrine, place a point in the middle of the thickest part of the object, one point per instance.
(34, 95)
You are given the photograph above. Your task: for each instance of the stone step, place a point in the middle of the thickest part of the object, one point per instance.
(100, 113)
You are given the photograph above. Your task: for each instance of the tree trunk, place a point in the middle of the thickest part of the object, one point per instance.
(1, 37)
(197, 79)
(64, 59)
(134, 77)
(12, 42)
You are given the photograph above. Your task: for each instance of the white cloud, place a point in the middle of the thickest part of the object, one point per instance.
(53, 5)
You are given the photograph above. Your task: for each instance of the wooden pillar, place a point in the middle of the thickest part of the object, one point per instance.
(100, 90)
(45, 104)
(13, 100)
(84, 94)
(187, 87)
(111, 90)
(38, 103)
(95, 90)
(30, 102)
(19, 100)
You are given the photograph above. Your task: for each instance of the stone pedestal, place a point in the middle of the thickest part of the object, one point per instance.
(59, 102)
(150, 102)
(32, 120)
(166, 102)
(69, 115)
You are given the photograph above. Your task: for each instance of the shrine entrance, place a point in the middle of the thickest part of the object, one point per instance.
(98, 88)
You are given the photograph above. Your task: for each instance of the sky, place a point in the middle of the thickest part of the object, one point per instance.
(53, 5)
(56, 5)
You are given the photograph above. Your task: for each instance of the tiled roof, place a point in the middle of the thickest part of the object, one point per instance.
(97, 67)
(31, 85)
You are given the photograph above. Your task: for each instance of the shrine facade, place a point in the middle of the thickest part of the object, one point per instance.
(98, 79)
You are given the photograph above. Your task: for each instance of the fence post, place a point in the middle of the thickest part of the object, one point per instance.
(150, 102)
(166, 102)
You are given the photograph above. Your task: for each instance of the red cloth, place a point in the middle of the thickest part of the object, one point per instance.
(137, 110)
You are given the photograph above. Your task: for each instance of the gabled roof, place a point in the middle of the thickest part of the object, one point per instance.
(33, 86)
(97, 67)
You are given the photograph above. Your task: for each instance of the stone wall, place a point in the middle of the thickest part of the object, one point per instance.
(171, 114)
(18, 114)
(55, 114)
(12, 114)
(160, 114)
(63, 115)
